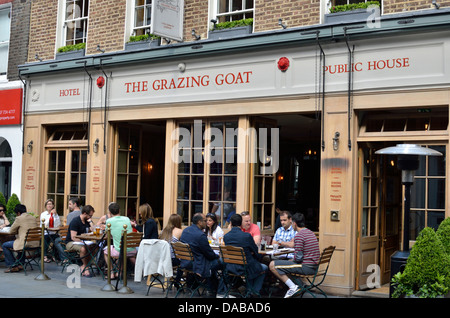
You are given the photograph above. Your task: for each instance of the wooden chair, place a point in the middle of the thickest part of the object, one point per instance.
(235, 255)
(313, 281)
(133, 241)
(30, 251)
(183, 252)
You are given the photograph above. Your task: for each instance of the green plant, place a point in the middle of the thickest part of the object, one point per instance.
(427, 270)
(443, 232)
(354, 6)
(72, 47)
(12, 202)
(234, 24)
(2, 199)
(143, 37)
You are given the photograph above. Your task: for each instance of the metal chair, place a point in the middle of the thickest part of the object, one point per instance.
(183, 252)
(316, 279)
(235, 255)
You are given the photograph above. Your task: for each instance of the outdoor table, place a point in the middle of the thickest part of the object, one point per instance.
(268, 251)
(85, 237)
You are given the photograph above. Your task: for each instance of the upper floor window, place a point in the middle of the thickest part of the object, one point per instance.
(5, 23)
(142, 17)
(231, 10)
(332, 3)
(76, 21)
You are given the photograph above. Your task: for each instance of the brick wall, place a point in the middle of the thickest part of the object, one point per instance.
(195, 17)
(294, 13)
(18, 42)
(107, 20)
(397, 6)
(106, 25)
(43, 29)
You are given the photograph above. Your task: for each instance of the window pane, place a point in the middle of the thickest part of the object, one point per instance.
(197, 188)
(435, 218)
(418, 194)
(417, 222)
(436, 164)
(436, 193)
(215, 188)
(183, 187)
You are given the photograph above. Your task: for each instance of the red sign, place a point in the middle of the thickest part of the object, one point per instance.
(11, 106)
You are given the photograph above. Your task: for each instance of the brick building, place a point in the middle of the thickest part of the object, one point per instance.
(287, 116)
(14, 30)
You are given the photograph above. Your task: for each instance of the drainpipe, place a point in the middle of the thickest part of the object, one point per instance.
(350, 82)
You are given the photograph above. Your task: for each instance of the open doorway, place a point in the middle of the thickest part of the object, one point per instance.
(298, 176)
(140, 167)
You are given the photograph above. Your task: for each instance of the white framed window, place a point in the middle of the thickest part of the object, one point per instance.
(73, 20)
(5, 31)
(142, 17)
(76, 21)
(331, 3)
(231, 10)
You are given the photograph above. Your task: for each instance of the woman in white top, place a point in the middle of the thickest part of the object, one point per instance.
(49, 235)
(213, 230)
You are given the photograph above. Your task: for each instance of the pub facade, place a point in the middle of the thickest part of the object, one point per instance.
(282, 118)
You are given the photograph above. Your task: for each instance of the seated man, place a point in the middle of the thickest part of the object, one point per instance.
(284, 236)
(206, 262)
(236, 237)
(21, 225)
(80, 225)
(307, 254)
(249, 227)
(117, 222)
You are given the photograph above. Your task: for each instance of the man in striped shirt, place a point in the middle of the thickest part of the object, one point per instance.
(306, 256)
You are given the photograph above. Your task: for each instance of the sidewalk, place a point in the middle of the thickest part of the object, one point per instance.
(60, 285)
(14, 285)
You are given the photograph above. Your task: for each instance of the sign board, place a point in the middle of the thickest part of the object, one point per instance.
(11, 106)
(167, 19)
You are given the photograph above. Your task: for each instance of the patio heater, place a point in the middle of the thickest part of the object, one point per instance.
(408, 163)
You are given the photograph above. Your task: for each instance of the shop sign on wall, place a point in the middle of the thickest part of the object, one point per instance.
(167, 19)
(11, 106)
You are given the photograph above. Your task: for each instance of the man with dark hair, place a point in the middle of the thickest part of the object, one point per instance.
(256, 270)
(74, 209)
(284, 235)
(22, 223)
(306, 256)
(206, 262)
(79, 225)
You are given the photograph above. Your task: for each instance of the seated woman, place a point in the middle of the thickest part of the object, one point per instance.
(148, 225)
(213, 230)
(171, 233)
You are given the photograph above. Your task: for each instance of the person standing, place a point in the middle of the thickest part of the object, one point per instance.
(306, 256)
(23, 222)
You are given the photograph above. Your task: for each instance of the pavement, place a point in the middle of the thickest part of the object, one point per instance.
(70, 285)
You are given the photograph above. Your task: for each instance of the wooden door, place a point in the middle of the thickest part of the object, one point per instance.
(368, 214)
(391, 209)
